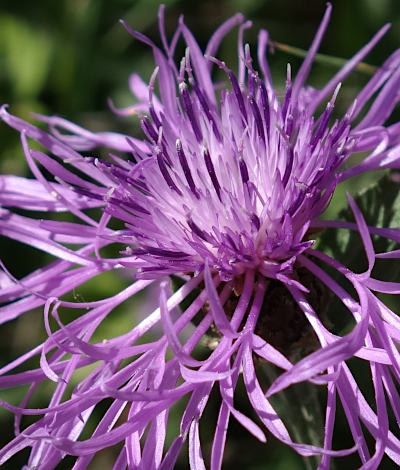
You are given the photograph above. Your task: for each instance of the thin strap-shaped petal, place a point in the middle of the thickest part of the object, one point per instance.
(153, 449)
(379, 78)
(39, 176)
(58, 148)
(347, 69)
(366, 238)
(169, 330)
(227, 387)
(167, 84)
(195, 454)
(331, 355)
(383, 105)
(219, 441)
(79, 138)
(262, 46)
(217, 310)
(257, 398)
(29, 194)
(304, 70)
(199, 63)
(367, 415)
(28, 231)
(219, 34)
(202, 376)
(330, 414)
(171, 456)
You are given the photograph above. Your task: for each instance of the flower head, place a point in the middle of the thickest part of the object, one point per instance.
(224, 196)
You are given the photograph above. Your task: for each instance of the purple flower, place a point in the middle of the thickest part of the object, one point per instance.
(224, 196)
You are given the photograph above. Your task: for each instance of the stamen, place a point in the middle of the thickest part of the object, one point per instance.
(197, 230)
(265, 105)
(131, 204)
(154, 117)
(161, 252)
(211, 172)
(235, 85)
(187, 104)
(289, 128)
(188, 67)
(289, 167)
(255, 221)
(288, 93)
(153, 113)
(148, 129)
(185, 168)
(231, 242)
(257, 117)
(206, 109)
(243, 170)
(162, 146)
(324, 118)
(238, 94)
(182, 65)
(139, 185)
(252, 75)
(164, 171)
(137, 153)
(343, 125)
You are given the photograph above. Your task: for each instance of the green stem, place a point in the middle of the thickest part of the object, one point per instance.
(323, 58)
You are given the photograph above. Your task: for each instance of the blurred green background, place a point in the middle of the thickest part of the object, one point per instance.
(67, 57)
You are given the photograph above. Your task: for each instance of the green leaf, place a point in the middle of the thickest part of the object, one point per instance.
(380, 206)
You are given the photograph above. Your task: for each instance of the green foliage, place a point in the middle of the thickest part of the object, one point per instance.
(26, 53)
(380, 206)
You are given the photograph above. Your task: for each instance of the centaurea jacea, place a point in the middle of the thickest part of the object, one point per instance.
(225, 194)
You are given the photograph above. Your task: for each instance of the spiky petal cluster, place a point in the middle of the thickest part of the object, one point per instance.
(224, 193)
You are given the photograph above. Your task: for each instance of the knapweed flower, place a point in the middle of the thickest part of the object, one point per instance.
(219, 207)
